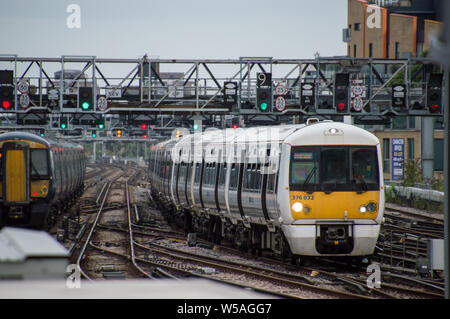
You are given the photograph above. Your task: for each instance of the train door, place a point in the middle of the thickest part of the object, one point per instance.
(221, 187)
(16, 159)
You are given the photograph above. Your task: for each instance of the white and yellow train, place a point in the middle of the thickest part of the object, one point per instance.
(314, 189)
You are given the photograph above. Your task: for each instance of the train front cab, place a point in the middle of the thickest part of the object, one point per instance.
(336, 200)
(25, 183)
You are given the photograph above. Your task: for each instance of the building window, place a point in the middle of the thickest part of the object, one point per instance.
(397, 50)
(357, 26)
(438, 124)
(370, 50)
(402, 123)
(354, 50)
(411, 149)
(399, 123)
(411, 122)
(386, 155)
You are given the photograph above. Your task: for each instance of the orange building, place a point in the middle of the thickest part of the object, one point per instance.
(390, 29)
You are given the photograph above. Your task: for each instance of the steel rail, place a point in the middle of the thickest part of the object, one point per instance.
(130, 232)
(91, 232)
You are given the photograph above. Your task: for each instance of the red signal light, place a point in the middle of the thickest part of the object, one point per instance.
(434, 107)
(6, 104)
(235, 126)
(144, 136)
(341, 106)
(143, 126)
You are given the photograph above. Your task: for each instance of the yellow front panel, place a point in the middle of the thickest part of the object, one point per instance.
(15, 176)
(39, 188)
(336, 205)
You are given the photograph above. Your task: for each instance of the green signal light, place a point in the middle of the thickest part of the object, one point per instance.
(94, 135)
(195, 126)
(63, 125)
(42, 134)
(85, 105)
(101, 126)
(263, 106)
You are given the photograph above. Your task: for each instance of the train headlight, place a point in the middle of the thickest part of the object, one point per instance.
(371, 207)
(297, 207)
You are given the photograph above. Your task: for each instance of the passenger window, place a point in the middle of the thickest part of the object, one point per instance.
(233, 176)
(222, 174)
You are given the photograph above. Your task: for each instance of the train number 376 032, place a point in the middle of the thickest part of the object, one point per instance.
(304, 197)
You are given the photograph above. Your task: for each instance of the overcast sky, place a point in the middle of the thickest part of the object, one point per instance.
(194, 29)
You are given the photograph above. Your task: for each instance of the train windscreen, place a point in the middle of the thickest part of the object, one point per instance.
(39, 164)
(334, 168)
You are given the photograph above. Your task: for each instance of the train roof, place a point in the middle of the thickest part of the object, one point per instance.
(213, 141)
(331, 133)
(16, 135)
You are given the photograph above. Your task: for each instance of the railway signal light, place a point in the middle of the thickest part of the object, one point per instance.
(119, 133)
(264, 99)
(63, 123)
(195, 126)
(434, 93)
(7, 97)
(94, 134)
(144, 126)
(235, 122)
(85, 98)
(341, 100)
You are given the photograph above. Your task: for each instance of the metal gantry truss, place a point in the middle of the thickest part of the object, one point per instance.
(171, 93)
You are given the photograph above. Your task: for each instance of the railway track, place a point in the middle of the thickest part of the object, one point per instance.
(403, 242)
(90, 263)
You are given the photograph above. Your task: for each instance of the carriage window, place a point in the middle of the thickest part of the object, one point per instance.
(189, 172)
(222, 174)
(212, 176)
(233, 176)
(257, 180)
(272, 183)
(181, 173)
(197, 173)
(39, 164)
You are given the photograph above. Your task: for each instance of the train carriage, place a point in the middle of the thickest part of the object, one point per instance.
(299, 190)
(39, 178)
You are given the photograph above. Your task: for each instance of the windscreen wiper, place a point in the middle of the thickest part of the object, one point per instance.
(310, 174)
(36, 173)
(364, 186)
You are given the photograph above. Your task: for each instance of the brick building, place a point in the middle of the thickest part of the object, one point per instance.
(391, 29)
